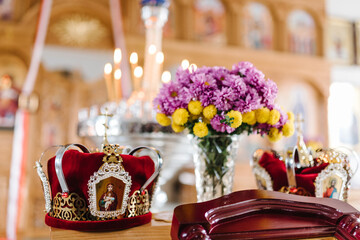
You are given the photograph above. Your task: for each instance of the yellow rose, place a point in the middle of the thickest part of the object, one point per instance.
(195, 107)
(274, 117)
(262, 115)
(180, 116)
(177, 128)
(200, 129)
(274, 135)
(237, 121)
(290, 116)
(288, 129)
(249, 118)
(210, 111)
(162, 119)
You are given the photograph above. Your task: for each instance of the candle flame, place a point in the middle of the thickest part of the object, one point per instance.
(185, 64)
(166, 77)
(160, 57)
(117, 56)
(192, 67)
(117, 74)
(138, 72)
(152, 49)
(108, 68)
(134, 58)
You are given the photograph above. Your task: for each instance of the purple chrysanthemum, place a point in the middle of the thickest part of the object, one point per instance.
(224, 99)
(243, 88)
(168, 99)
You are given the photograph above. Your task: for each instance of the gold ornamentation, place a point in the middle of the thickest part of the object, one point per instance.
(79, 30)
(331, 156)
(301, 154)
(112, 154)
(112, 151)
(107, 171)
(138, 204)
(295, 190)
(71, 208)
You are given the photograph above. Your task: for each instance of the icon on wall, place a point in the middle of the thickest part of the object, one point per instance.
(302, 33)
(9, 96)
(340, 41)
(258, 26)
(209, 20)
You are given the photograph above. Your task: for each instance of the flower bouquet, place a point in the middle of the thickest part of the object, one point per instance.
(215, 104)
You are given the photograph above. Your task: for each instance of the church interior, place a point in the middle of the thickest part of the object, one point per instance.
(56, 87)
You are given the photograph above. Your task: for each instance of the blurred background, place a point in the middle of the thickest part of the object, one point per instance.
(311, 49)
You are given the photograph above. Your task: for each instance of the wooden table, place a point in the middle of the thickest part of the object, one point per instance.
(157, 229)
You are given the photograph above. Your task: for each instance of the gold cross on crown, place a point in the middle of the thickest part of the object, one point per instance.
(105, 140)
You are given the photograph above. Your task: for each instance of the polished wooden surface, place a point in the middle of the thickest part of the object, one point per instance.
(260, 214)
(157, 229)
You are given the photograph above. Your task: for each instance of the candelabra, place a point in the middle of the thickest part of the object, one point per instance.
(133, 122)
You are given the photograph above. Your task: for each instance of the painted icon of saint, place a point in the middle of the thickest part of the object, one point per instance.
(331, 191)
(108, 200)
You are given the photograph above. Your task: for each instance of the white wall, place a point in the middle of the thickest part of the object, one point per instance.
(90, 63)
(347, 9)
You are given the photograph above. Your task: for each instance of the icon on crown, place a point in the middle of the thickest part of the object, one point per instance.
(324, 173)
(82, 187)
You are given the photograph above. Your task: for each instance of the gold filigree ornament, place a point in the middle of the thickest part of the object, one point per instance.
(139, 204)
(71, 208)
(110, 173)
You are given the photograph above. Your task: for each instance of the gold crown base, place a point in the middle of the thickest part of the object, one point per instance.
(74, 208)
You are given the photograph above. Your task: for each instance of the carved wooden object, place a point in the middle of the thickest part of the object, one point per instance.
(259, 214)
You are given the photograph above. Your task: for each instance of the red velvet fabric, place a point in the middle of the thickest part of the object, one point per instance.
(78, 167)
(276, 168)
(98, 226)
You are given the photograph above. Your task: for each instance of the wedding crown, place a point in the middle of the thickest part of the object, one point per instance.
(324, 173)
(110, 189)
(329, 176)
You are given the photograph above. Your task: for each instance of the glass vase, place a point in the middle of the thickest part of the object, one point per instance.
(214, 158)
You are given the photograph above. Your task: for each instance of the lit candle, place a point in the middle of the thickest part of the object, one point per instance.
(138, 73)
(108, 81)
(152, 49)
(133, 63)
(166, 77)
(117, 83)
(149, 80)
(134, 58)
(185, 64)
(159, 59)
(117, 57)
(192, 67)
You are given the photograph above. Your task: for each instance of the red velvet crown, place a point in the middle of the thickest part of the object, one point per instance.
(273, 173)
(98, 191)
